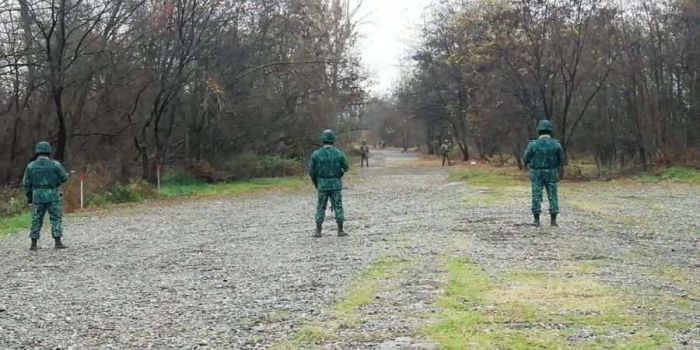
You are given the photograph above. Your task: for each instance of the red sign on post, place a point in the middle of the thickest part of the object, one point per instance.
(81, 177)
(159, 167)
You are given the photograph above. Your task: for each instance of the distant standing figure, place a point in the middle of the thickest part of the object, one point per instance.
(328, 165)
(445, 151)
(364, 154)
(42, 182)
(544, 156)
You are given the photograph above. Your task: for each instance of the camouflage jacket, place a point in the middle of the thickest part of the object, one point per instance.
(43, 179)
(445, 149)
(544, 153)
(364, 150)
(328, 165)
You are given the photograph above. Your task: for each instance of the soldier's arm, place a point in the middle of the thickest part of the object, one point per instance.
(27, 183)
(62, 173)
(312, 171)
(560, 155)
(527, 157)
(344, 162)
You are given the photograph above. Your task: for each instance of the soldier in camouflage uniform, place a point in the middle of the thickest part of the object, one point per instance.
(445, 150)
(364, 154)
(328, 165)
(42, 182)
(544, 156)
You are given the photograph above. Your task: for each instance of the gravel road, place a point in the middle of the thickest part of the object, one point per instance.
(235, 273)
(245, 273)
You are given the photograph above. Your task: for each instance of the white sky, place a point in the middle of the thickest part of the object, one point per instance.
(389, 27)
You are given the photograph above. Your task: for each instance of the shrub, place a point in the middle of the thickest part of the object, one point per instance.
(202, 171)
(251, 166)
(180, 178)
(12, 202)
(354, 151)
(117, 194)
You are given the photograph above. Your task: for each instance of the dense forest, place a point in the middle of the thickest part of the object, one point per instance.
(620, 79)
(126, 85)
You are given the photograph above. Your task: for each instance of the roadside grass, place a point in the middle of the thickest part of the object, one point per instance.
(14, 223)
(674, 174)
(201, 189)
(344, 314)
(532, 310)
(170, 189)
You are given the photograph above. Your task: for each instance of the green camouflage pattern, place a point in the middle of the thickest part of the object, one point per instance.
(544, 153)
(328, 136)
(446, 150)
(364, 155)
(43, 147)
(55, 210)
(545, 125)
(336, 198)
(545, 179)
(42, 180)
(364, 150)
(544, 156)
(328, 165)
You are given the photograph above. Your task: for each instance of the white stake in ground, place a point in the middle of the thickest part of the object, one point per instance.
(158, 168)
(81, 177)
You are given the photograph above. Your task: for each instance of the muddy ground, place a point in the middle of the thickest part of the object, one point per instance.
(244, 272)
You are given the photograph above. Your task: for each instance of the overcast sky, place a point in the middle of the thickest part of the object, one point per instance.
(388, 30)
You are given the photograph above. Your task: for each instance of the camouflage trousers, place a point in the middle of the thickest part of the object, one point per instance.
(336, 198)
(364, 159)
(446, 159)
(545, 179)
(55, 210)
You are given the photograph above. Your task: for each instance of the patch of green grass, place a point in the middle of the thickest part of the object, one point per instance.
(229, 188)
(15, 223)
(672, 273)
(676, 174)
(648, 178)
(482, 177)
(467, 282)
(312, 335)
(363, 291)
(686, 175)
(513, 311)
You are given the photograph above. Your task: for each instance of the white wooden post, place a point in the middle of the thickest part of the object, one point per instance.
(158, 167)
(82, 191)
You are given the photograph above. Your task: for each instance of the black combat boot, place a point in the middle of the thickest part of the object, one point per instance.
(554, 220)
(34, 247)
(341, 233)
(58, 244)
(536, 223)
(319, 228)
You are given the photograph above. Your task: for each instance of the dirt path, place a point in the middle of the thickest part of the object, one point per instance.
(424, 255)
